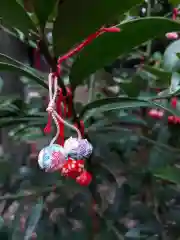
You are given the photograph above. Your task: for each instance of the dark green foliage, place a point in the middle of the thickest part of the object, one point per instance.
(134, 193)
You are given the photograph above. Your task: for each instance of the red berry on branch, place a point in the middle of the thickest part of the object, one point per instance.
(157, 114)
(174, 102)
(84, 179)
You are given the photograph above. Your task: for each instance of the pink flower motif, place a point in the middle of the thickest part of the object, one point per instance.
(58, 161)
(172, 35)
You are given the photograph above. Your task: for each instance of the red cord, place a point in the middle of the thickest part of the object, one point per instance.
(70, 102)
(68, 111)
(47, 128)
(175, 13)
(60, 99)
(89, 39)
(174, 102)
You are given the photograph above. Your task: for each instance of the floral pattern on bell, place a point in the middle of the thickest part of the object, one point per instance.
(51, 158)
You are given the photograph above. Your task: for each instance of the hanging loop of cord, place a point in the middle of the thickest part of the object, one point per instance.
(51, 109)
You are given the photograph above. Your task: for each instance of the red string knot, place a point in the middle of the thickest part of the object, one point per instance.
(55, 74)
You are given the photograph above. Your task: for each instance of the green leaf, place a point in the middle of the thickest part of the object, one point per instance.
(23, 70)
(119, 207)
(178, 55)
(157, 158)
(109, 46)
(171, 61)
(1, 84)
(171, 174)
(10, 121)
(5, 169)
(108, 104)
(13, 13)
(133, 234)
(43, 10)
(33, 219)
(120, 103)
(77, 19)
(163, 76)
(175, 2)
(134, 88)
(17, 233)
(175, 83)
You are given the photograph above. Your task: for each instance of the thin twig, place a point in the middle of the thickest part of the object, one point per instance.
(110, 226)
(91, 88)
(30, 193)
(148, 50)
(43, 46)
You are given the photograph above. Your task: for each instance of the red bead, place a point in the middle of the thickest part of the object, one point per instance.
(72, 168)
(84, 179)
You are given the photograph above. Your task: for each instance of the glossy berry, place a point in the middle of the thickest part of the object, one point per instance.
(174, 119)
(154, 113)
(172, 35)
(72, 168)
(174, 102)
(84, 179)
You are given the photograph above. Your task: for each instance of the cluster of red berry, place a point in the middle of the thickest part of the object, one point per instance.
(158, 114)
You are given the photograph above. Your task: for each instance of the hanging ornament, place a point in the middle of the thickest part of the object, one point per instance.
(84, 179)
(77, 148)
(51, 158)
(72, 168)
(67, 158)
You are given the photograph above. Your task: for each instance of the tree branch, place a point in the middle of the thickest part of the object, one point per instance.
(30, 193)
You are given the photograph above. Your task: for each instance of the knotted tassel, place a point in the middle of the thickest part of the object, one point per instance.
(47, 128)
(54, 156)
